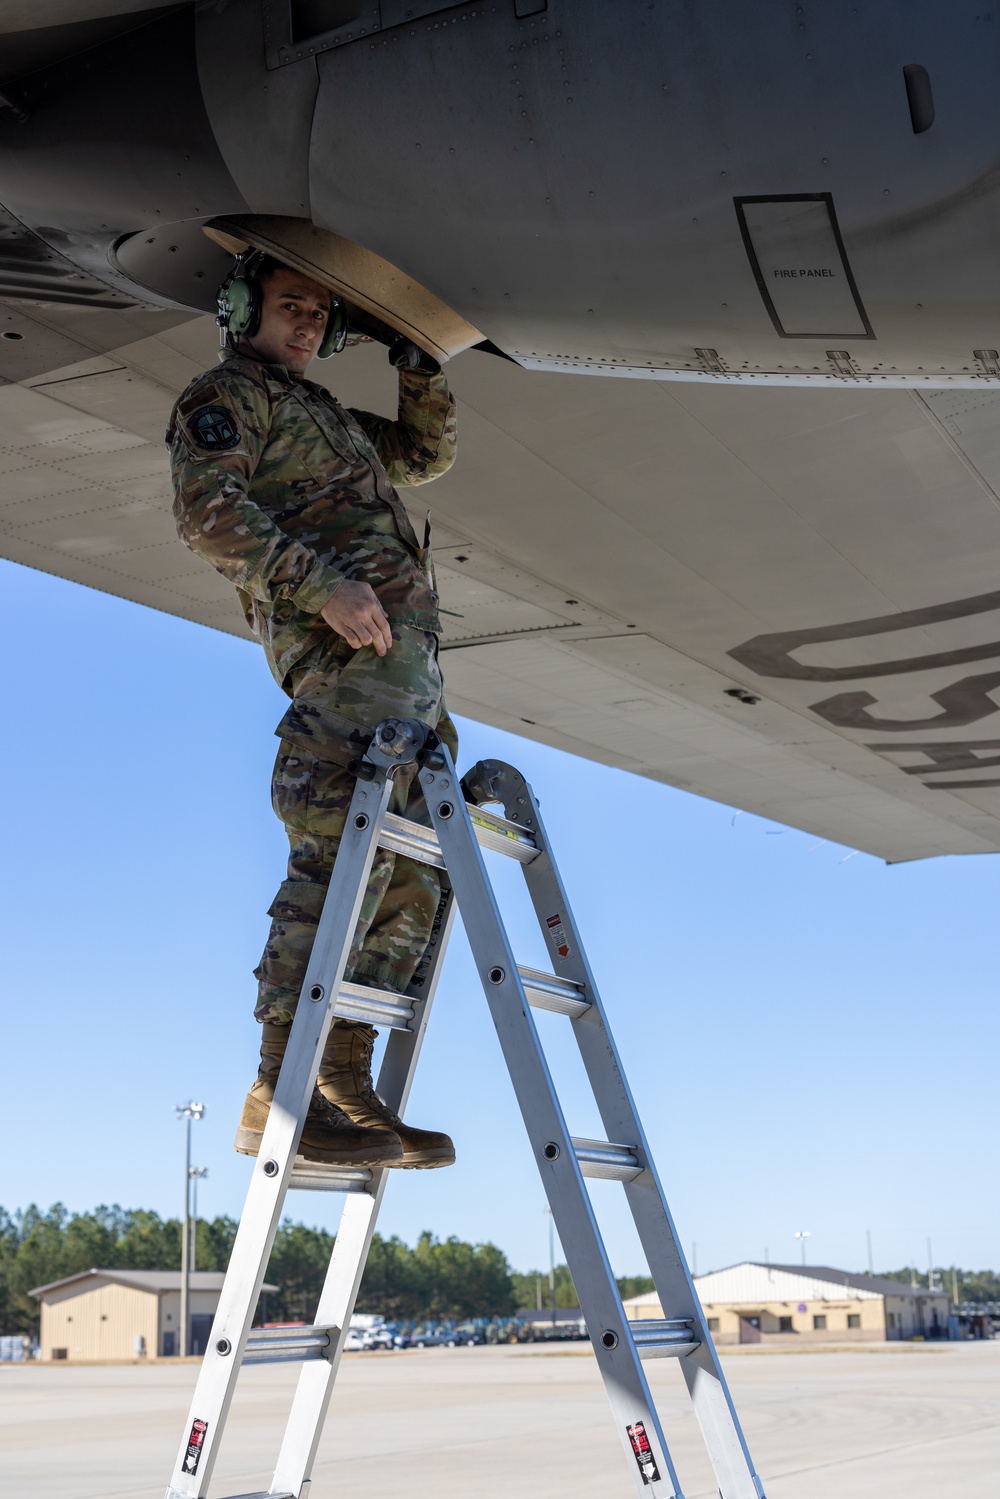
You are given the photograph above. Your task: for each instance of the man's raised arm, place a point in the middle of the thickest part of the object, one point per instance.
(420, 444)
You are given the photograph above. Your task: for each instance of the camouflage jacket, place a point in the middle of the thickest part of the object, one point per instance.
(287, 494)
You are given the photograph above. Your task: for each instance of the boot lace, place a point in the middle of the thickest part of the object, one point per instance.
(322, 1111)
(366, 1088)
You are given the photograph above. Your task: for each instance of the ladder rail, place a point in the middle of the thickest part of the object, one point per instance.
(709, 1391)
(555, 1156)
(314, 1390)
(273, 1166)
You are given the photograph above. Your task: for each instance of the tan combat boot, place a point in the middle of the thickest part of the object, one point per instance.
(328, 1134)
(345, 1080)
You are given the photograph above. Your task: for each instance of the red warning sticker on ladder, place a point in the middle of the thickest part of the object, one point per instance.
(196, 1443)
(558, 934)
(643, 1452)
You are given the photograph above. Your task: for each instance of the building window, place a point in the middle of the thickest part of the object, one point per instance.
(854, 1319)
(819, 1322)
(713, 1324)
(785, 1324)
(890, 1319)
(60, 1353)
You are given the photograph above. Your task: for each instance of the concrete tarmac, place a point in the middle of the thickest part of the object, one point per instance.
(904, 1421)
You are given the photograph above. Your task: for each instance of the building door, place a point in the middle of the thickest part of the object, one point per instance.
(169, 1345)
(201, 1327)
(749, 1329)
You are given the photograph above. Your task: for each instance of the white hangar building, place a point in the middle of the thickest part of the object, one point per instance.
(758, 1303)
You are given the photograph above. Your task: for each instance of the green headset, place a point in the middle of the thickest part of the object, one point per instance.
(241, 302)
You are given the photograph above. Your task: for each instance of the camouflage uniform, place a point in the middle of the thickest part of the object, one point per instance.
(287, 494)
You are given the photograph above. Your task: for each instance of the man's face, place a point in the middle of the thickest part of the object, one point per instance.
(294, 318)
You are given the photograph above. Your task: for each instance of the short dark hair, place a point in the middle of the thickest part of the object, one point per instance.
(267, 265)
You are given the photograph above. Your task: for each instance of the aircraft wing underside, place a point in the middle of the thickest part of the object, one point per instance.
(783, 599)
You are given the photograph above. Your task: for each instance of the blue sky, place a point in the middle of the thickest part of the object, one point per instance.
(811, 1037)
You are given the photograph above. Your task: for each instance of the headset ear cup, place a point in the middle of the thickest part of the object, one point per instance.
(243, 303)
(335, 335)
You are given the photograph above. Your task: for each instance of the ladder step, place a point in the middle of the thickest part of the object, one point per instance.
(401, 836)
(547, 992)
(285, 1345)
(313, 1176)
(599, 1158)
(669, 1337)
(374, 1006)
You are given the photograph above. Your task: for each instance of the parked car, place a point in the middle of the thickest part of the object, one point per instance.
(554, 1332)
(429, 1338)
(379, 1337)
(465, 1337)
(356, 1341)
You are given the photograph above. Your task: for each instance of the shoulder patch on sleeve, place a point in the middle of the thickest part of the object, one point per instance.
(214, 428)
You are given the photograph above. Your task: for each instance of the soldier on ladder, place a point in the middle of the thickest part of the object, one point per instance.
(291, 497)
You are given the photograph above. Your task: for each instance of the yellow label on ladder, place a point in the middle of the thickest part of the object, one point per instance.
(493, 827)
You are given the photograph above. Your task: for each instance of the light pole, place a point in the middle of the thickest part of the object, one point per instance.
(552, 1264)
(195, 1173)
(186, 1111)
(802, 1234)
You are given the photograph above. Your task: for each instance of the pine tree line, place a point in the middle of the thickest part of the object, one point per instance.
(532, 1289)
(970, 1285)
(436, 1280)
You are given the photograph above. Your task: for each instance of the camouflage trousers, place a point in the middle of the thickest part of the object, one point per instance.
(339, 698)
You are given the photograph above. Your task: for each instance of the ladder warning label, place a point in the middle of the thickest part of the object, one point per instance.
(558, 934)
(643, 1452)
(196, 1442)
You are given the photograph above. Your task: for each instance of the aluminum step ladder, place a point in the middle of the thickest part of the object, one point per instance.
(460, 829)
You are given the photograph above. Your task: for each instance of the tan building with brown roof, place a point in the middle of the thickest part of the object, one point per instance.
(125, 1314)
